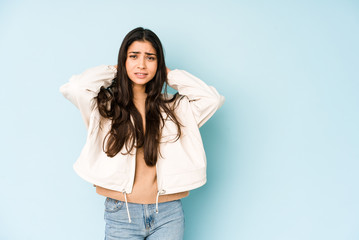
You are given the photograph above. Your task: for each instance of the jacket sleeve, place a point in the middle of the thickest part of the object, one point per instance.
(204, 100)
(82, 88)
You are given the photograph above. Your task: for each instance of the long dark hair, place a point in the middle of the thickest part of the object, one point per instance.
(116, 104)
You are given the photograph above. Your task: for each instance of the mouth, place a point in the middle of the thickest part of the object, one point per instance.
(141, 75)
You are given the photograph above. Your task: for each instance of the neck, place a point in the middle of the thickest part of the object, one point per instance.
(139, 92)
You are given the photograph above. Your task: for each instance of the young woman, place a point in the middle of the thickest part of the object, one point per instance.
(143, 151)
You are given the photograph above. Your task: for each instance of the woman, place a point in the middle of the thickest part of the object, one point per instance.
(143, 150)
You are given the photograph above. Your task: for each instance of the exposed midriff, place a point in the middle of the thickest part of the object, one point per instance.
(144, 189)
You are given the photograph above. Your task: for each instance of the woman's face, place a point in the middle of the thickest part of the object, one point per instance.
(141, 62)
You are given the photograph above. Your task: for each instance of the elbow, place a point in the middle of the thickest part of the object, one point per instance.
(220, 101)
(215, 102)
(216, 98)
(64, 89)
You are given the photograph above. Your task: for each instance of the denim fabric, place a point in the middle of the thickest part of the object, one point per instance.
(167, 224)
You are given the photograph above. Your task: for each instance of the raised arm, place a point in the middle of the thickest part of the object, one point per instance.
(82, 88)
(204, 100)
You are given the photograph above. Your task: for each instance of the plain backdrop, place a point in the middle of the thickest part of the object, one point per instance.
(282, 152)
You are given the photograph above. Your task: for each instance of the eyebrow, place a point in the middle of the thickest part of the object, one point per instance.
(145, 53)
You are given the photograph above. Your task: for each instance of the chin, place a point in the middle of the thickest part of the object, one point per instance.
(140, 82)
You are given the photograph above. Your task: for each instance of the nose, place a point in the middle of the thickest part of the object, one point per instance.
(141, 63)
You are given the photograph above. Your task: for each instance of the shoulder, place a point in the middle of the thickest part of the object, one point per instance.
(173, 100)
(179, 104)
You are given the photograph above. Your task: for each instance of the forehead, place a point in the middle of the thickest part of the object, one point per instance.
(141, 46)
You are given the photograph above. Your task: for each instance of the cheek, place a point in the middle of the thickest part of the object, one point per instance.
(154, 68)
(153, 72)
(128, 67)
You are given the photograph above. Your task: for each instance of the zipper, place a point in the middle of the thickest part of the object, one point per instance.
(160, 191)
(159, 181)
(133, 156)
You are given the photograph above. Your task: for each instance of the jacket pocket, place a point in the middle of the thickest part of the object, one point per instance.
(112, 205)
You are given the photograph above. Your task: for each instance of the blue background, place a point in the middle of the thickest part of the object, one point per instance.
(282, 152)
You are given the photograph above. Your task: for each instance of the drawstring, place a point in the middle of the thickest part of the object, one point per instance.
(128, 212)
(158, 194)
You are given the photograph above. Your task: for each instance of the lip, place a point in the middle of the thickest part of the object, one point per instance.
(143, 75)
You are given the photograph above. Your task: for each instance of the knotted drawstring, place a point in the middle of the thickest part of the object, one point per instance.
(158, 194)
(128, 212)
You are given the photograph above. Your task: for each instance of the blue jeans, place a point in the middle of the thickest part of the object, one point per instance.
(167, 224)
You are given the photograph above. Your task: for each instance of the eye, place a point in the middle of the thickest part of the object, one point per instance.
(151, 58)
(133, 56)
